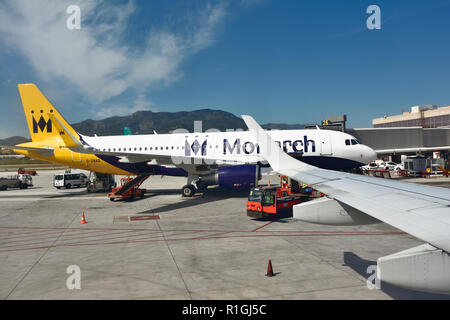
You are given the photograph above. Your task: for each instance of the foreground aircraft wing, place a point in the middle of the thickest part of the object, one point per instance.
(422, 211)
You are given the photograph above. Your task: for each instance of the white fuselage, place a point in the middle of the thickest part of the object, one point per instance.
(239, 146)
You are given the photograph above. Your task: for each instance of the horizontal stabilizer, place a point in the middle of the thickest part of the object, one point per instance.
(44, 151)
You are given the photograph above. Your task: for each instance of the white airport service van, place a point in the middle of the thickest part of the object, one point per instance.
(69, 180)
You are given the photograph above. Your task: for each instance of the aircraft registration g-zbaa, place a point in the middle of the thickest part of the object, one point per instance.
(227, 159)
(352, 199)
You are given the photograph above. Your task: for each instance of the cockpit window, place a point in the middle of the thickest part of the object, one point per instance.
(352, 142)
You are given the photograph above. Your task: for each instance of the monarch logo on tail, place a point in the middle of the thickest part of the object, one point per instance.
(42, 124)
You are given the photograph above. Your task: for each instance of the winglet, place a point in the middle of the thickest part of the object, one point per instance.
(270, 150)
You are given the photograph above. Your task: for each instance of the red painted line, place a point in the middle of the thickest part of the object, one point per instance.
(82, 238)
(263, 226)
(15, 234)
(211, 237)
(36, 236)
(152, 239)
(206, 230)
(214, 230)
(81, 244)
(79, 231)
(62, 238)
(113, 238)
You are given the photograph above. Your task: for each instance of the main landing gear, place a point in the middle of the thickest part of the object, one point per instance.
(190, 190)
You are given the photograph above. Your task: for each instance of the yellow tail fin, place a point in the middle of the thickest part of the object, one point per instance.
(37, 111)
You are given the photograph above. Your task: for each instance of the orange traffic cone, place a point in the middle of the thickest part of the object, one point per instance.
(269, 270)
(83, 219)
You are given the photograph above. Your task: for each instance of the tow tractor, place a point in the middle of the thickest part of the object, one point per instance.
(277, 201)
(129, 188)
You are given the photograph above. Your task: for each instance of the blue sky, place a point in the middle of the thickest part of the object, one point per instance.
(280, 61)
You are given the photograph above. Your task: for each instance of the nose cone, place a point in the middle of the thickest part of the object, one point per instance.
(368, 154)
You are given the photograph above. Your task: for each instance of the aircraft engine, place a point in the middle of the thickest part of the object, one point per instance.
(234, 177)
(423, 268)
(330, 212)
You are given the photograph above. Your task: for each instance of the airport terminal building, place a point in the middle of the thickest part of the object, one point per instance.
(404, 140)
(428, 116)
(424, 131)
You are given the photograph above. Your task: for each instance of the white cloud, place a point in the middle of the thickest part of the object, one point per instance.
(96, 59)
(140, 104)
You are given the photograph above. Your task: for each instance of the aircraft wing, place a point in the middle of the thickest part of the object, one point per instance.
(422, 211)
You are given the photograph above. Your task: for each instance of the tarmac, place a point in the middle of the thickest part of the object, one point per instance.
(168, 247)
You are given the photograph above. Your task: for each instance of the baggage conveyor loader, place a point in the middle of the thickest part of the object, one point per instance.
(129, 188)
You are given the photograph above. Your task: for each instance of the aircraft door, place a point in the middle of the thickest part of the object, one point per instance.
(325, 144)
(76, 156)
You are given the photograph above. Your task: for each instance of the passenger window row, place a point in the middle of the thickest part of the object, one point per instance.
(140, 149)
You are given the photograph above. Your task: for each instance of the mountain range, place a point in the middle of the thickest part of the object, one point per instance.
(145, 122)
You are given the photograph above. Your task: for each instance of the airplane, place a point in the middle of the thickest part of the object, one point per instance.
(228, 159)
(351, 199)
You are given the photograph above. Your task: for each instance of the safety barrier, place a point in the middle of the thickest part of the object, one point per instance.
(386, 174)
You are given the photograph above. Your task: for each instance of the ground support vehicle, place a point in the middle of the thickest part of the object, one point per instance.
(277, 201)
(129, 189)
